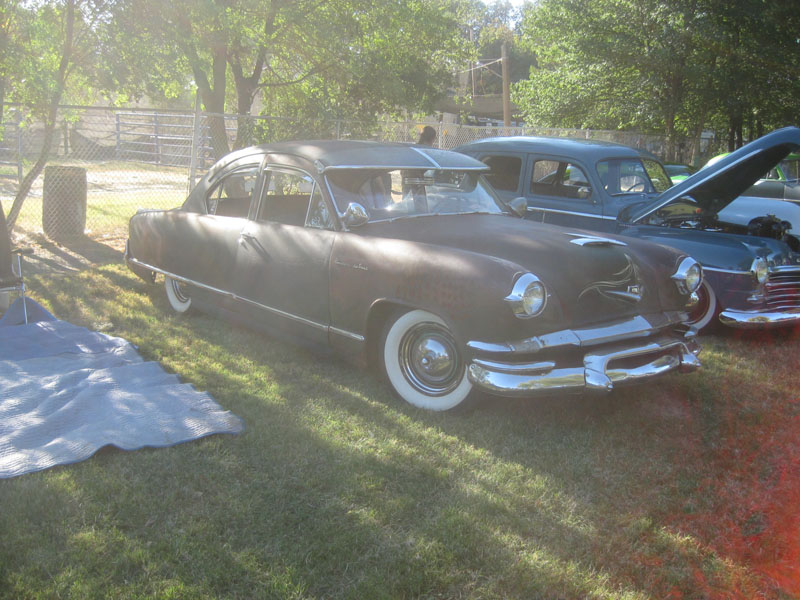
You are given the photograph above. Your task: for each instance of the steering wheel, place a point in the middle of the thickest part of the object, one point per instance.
(639, 183)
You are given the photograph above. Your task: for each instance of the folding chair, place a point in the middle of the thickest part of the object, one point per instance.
(10, 277)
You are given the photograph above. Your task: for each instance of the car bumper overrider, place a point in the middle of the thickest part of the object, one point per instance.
(598, 359)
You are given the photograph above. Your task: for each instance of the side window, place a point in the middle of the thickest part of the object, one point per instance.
(575, 184)
(545, 177)
(286, 196)
(230, 197)
(505, 172)
(559, 179)
(318, 215)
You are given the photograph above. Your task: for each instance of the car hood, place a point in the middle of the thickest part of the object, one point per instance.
(731, 252)
(590, 273)
(716, 186)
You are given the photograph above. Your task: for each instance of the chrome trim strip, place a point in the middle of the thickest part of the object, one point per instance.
(276, 311)
(592, 240)
(547, 365)
(347, 334)
(570, 212)
(597, 372)
(728, 271)
(783, 269)
(637, 326)
(753, 319)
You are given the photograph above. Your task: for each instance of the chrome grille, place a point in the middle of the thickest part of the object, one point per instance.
(783, 290)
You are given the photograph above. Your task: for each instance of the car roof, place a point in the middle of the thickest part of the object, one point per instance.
(589, 150)
(352, 154)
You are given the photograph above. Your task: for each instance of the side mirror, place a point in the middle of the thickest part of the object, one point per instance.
(355, 215)
(584, 192)
(519, 206)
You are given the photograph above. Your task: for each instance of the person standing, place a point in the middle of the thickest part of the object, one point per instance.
(427, 137)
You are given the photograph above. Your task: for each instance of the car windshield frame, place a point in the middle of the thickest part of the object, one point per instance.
(638, 170)
(388, 194)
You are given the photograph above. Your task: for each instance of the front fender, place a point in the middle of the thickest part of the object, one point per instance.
(465, 289)
(712, 249)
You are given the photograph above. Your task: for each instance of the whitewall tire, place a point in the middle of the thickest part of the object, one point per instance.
(704, 314)
(422, 362)
(177, 294)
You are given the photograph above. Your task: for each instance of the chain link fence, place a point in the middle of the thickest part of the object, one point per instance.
(105, 163)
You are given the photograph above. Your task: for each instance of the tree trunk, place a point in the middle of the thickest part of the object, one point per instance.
(696, 136)
(3, 47)
(246, 89)
(50, 119)
(212, 95)
(36, 170)
(735, 132)
(244, 124)
(669, 121)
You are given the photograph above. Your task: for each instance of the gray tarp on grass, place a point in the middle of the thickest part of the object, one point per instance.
(66, 391)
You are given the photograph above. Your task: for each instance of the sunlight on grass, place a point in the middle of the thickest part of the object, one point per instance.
(336, 489)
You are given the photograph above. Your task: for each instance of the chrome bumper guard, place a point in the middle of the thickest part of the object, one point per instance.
(753, 319)
(604, 365)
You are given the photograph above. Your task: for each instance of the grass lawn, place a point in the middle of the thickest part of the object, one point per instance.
(686, 488)
(114, 192)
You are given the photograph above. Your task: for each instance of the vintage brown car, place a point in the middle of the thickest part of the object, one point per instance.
(403, 255)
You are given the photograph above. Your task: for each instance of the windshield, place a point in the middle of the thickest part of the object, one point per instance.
(407, 193)
(633, 176)
(791, 169)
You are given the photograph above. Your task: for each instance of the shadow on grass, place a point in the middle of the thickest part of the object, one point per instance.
(69, 254)
(336, 489)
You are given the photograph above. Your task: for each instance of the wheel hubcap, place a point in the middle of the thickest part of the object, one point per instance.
(430, 360)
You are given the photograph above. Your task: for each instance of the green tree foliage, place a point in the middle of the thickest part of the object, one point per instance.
(8, 45)
(55, 45)
(358, 57)
(758, 65)
(674, 67)
(401, 56)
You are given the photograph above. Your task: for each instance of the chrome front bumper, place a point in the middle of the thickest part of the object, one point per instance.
(753, 319)
(584, 360)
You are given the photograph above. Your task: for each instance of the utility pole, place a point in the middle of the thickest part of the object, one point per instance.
(506, 85)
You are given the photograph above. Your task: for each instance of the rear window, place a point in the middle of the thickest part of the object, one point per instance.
(505, 172)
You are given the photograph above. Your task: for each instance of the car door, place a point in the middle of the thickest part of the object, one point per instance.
(559, 191)
(203, 244)
(282, 264)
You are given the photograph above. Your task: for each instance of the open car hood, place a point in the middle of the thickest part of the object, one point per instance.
(714, 187)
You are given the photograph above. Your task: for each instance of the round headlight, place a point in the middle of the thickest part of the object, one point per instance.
(688, 276)
(760, 270)
(528, 296)
(694, 276)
